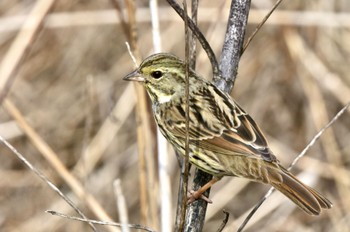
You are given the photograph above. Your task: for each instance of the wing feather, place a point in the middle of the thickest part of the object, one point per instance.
(217, 124)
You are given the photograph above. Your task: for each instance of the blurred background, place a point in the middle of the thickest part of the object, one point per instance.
(69, 113)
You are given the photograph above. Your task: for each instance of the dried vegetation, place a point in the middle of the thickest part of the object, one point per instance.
(67, 101)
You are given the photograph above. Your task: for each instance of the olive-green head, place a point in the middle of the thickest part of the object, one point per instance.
(163, 76)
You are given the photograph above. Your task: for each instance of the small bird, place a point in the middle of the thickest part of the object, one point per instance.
(223, 139)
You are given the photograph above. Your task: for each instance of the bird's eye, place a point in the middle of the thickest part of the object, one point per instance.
(156, 74)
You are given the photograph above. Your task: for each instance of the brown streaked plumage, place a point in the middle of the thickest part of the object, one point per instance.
(224, 139)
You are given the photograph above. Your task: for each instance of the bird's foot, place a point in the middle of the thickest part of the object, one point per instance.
(195, 195)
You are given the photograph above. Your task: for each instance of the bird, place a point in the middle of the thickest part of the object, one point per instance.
(224, 140)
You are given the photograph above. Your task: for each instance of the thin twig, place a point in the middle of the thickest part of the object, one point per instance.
(224, 222)
(250, 38)
(45, 179)
(131, 54)
(183, 185)
(318, 135)
(306, 149)
(301, 52)
(199, 36)
(190, 52)
(195, 216)
(134, 226)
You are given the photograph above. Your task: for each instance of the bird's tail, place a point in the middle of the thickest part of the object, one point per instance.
(302, 195)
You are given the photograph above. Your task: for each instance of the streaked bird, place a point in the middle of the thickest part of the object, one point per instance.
(223, 139)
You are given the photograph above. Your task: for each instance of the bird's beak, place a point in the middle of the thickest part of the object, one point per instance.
(134, 76)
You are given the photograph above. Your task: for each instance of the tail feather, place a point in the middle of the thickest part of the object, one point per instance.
(304, 196)
(324, 202)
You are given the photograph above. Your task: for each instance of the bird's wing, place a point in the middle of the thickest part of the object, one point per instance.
(243, 138)
(218, 124)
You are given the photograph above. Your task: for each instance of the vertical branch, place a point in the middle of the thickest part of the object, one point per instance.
(195, 216)
(230, 56)
(232, 48)
(183, 185)
(185, 166)
(231, 53)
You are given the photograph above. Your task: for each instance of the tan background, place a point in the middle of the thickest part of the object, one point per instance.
(293, 78)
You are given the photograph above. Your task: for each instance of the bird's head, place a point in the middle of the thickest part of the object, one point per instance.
(163, 76)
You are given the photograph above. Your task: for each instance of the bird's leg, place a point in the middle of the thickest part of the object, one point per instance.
(195, 195)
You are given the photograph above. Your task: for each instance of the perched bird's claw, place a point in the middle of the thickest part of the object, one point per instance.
(195, 195)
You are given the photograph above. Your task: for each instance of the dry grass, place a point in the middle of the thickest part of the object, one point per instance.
(293, 79)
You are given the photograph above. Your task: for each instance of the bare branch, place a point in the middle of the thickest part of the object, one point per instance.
(232, 48)
(250, 38)
(233, 44)
(199, 36)
(134, 226)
